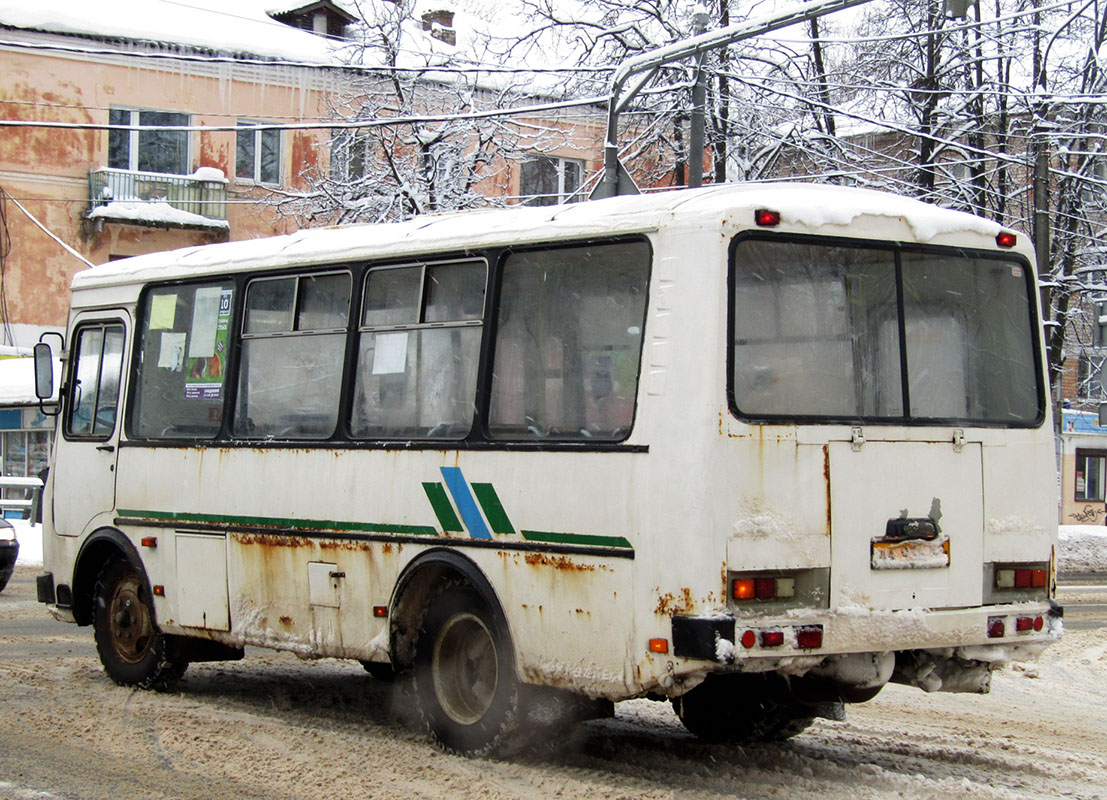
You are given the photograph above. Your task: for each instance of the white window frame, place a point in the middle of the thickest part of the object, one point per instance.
(255, 171)
(563, 195)
(132, 113)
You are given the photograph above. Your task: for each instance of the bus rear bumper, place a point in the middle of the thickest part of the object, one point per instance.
(989, 633)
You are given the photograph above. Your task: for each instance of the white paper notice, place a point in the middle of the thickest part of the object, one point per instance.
(205, 319)
(390, 353)
(172, 351)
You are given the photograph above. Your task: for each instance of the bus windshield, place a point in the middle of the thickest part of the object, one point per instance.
(826, 330)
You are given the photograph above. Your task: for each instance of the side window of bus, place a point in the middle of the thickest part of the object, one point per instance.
(418, 348)
(182, 360)
(94, 395)
(569, 342)
(293, 347)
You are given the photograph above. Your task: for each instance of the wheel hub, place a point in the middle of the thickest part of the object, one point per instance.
(465, 668)
(131, 627)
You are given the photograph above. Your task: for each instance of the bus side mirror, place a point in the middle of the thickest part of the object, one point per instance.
(44, 378)
(44, 371)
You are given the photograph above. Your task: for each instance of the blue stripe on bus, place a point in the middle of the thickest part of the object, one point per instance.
(466, 506)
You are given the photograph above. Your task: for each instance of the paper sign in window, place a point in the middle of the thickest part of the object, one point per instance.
(205, 321)
(172, 351)
(163, 311)
(390, 353)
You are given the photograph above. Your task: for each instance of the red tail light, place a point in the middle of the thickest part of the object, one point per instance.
(997, 629)
(809, 638)
(772, 638)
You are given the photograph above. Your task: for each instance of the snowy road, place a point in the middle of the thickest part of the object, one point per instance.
(273, 726)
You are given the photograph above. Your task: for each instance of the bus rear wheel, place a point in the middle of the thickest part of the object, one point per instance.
(132, 649)
(465, 673)
(742, 708)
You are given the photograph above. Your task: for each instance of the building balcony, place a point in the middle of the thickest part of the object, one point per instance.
(195, 202)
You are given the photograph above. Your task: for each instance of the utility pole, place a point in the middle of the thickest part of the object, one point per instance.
(699, 99)
(648, 64)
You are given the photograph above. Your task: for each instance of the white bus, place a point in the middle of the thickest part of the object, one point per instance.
(755, 450)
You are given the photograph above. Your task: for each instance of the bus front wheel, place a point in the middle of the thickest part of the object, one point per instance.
(132, 649)
(465, 673)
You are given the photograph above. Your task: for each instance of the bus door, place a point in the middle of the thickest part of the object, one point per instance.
(85, 463)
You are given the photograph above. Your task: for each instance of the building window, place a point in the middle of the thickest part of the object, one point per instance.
(258, 154)
(546, 181)
(1090, 376)
(1089, 475)
(160, 151)
(350, 155)
(24, 448)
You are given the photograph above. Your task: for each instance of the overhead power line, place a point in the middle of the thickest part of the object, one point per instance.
(314, 125)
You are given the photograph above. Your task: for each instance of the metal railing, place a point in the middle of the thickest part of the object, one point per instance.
(25, 504)
(201, 195)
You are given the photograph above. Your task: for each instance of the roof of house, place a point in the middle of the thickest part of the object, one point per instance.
(237, 28)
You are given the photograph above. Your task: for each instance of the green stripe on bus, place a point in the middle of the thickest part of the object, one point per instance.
(576, 538)
(280, 522)
(442, 508)
(493, 508)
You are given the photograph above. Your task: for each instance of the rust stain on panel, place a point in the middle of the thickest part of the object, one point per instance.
(826, 479)
(557, 562)
(670, 603)
(270, 540)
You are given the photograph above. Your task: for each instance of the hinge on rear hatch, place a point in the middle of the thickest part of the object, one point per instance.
(958, 440)
(856, 439)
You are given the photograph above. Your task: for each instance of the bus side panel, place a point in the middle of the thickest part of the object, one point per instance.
(316, 538)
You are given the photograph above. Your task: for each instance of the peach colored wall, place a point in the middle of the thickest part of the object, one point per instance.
(47, 169)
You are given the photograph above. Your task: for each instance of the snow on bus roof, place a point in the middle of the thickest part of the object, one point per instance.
(805, 206)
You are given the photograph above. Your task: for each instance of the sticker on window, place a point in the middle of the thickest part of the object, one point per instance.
(390, 353)
(211, 322)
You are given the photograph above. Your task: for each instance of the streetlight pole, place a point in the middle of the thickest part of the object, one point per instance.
(648, 64)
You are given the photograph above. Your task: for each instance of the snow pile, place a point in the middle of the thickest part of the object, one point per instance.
(155, 212)
(30, 541)
(240, 28)
(1083, 548)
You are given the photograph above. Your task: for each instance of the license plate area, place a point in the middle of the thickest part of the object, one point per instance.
(910, 553)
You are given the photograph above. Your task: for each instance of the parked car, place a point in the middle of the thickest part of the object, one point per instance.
(9, 551)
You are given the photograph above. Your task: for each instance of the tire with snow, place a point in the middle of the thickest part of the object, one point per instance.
(132, 649)
(464, 673)
(742, 708)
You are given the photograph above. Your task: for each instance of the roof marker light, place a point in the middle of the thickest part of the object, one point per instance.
(1006, 239)
(766, 218)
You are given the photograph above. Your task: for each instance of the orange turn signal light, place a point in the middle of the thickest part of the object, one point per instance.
(659, 646)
